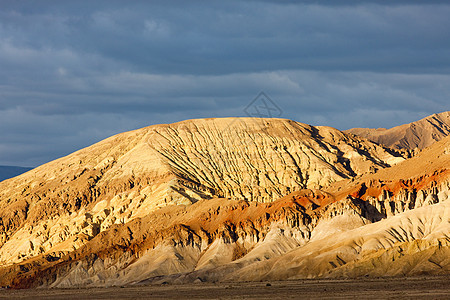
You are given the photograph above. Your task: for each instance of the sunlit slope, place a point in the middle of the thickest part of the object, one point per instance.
(57, 207)
(420, 134)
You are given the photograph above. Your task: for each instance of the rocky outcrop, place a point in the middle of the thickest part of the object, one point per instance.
(412, 243)
(216, 240)
(176, 239)
(220, 239)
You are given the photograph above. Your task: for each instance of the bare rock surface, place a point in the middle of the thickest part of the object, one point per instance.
(57, 207)
(226, 200)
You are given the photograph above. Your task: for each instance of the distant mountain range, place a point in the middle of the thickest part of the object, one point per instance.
(419, 134)
(7, 172)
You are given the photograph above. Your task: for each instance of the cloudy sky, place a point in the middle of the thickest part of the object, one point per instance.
(75, 72)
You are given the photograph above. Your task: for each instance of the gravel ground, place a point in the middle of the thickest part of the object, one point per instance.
(386, 288)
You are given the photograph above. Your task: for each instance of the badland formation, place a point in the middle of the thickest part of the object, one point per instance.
(233, 199)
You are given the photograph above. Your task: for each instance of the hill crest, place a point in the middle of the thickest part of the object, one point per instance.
(419, 134)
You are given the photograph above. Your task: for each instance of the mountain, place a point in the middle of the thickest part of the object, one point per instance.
(419, 134)
(412, 237)
(225, 199)
(7, 172)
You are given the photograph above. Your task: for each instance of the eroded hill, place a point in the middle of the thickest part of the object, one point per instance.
(247, 202)
(72, 199)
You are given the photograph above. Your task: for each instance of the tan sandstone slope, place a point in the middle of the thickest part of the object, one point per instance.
(105, 215)
(420, 134)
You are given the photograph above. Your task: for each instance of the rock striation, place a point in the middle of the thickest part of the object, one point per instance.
(226, 200)
(57, 207)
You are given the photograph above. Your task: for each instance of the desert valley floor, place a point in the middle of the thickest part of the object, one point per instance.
(388, 288)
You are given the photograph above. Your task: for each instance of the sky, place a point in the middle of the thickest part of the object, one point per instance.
(75, 72)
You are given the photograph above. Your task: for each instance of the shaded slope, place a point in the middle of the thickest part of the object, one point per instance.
(420, 134)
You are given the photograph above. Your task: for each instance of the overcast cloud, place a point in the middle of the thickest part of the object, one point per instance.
(75, 72)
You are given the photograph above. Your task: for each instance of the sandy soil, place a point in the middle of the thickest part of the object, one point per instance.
(388, 288)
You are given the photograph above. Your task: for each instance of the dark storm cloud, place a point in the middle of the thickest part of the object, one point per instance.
(72, 74)
(243, 37)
